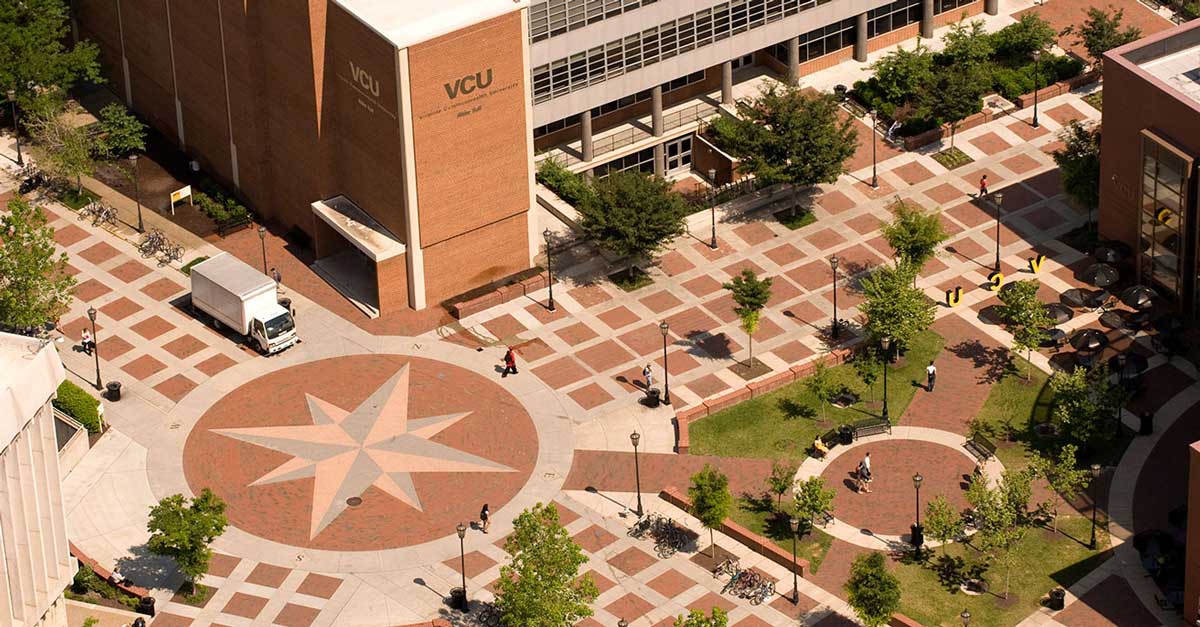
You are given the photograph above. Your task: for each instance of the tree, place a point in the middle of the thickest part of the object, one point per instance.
(901, 73)
(711, 501)
(782, 480)
(1017, 42)
(1101, 32)
(893, 307)
(751, 294)
(35, 287)
(966, 44)
(943, 522)
(183, 529)
(32, 51)
(1079, 164)
(869, 368)
(541, 586)
(120, 132)
(812, 500)
(955, 93)
(66, 150)
(632, 214)
(1025, 317)
(787, 135)
(1063, 474)
(997, 515)
(914, 234)
(1085, 404)
(820, 384)
(696, 618)
(872, 591)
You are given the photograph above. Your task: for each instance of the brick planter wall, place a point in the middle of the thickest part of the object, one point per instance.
(500, 295)
(106, 574)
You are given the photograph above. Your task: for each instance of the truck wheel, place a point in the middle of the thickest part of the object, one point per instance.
(216, 324)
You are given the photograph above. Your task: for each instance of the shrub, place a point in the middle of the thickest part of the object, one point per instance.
(73, 401)
(1016, 42)
(571, 187)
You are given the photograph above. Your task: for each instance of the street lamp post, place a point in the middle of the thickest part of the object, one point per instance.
(91, 314)
(137, 191)
(1095, 504)
(549, 267)
(666, 329)
(885, 342)
(636, 437)
(1037, 72)
(622, 623)
(874, 123)
(462, 562)
(999, 201)
(262, 239)
(712, 207)
(918, 537)
(12, 99)
(966, 618)
(833, 263)
(795, 525)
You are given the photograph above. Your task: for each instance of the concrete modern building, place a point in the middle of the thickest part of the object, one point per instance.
(1150, 146)
(35, 564)
(397, 137)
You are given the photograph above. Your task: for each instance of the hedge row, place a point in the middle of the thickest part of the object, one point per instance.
(75, 402)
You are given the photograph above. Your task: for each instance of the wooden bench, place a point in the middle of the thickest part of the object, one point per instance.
(822, 519)
(871, 426)
(981, 447)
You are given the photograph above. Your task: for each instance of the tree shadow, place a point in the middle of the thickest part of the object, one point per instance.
(792, 410)
(149, 570)
(709, 346)
(993, 363)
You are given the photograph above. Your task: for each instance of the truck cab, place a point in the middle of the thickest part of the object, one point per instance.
(273, 330)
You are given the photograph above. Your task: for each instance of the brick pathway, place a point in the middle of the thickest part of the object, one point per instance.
(966, 369)
(613, 471)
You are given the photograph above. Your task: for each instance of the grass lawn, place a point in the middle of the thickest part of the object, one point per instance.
(797, 219)
(632, 279)
(758, 514)
(784, 423)
(952, 158)
(76, 200)
(1040, 562)
(1096, 100)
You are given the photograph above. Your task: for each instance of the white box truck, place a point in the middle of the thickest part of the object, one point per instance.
(243, 299)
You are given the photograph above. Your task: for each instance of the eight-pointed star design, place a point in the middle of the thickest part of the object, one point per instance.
(347, 452)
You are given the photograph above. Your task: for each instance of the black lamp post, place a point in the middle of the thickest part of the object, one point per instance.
(634, 438)
(712, 207)
(874, 175)
(966, 618)
(885, 342)
(137, 191)
(262, 239)
(795, 525)
(666, 329)
(91, 314)
(546, 235)
(999, 201)
(462, 562)
(833, 263)
(622, 623)
(1095, 504)
(12, 99)
(1037, 75)
(918, 537)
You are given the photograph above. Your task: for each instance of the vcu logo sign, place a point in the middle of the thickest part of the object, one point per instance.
(364, 80)
(468, 83)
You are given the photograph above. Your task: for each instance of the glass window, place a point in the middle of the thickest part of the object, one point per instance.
(555, 17)
(1164, 177)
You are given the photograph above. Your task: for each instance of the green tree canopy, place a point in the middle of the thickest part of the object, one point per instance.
(955, 93)
(1024, 316)
(1019, 41)
(812, 500)
(541, 586)
(711, 501)
(1086, 404)
(1067, 480)
(820, 384)
(64, 149)
(120, 132)
(872, 591)
(966, 44)
(914, 234)
(893, 307)
(632, 214)
(33, 53)
(696, 618)
(1079, 163)
(943, 522)
(901, 73)
(999, 516)
(1101, 32)
(183, 529)
(35, 287)
(750, 294)
(868, 367)
(781, 480)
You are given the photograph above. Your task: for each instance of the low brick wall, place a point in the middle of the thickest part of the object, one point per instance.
(757, 387)
(106, 574)
(900, 620)
(498, 296)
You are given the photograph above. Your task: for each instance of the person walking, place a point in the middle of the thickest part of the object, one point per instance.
(648, 374)
(983, 191)
(930, 376)
(86, 342)
(484, 518)
(864, 474)
(278, 280)
(510, 363)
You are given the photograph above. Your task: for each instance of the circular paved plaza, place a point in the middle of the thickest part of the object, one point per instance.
(363, 452)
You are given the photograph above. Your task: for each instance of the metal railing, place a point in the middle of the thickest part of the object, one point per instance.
(567, 154)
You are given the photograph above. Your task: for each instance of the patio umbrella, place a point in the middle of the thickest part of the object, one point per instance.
(1076, 297)
(1106, 254)
(1059, 312)
(1138, 297)
(1113, 319)
(1101, 275)
(1128, 364)
(1088, 340)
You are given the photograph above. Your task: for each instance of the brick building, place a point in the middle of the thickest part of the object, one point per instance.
(399, 136)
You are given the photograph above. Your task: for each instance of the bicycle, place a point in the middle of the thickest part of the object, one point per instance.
(172, 252)
(727, 567)
(733, 582)
(762, 593)
(152, 242)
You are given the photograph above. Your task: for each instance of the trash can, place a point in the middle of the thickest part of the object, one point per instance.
(138, 622)
(653, 397)
(286, 303)
(1147, 423)
(846, 435)
(840, 92)
(146, 606)
(1057, 598)
(114, 390)
(458, 598)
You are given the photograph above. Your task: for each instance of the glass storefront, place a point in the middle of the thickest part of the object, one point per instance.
(1164, 217)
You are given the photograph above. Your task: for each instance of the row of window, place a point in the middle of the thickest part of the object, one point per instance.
(892, 17)
(1163, 177)
(642, 160)
(621, 103)
(664, 41)
(818, 42)
(555, 17)
(941, 6)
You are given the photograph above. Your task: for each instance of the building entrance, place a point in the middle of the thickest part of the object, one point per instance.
(679, 154)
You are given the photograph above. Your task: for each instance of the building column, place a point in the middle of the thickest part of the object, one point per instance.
(656, 111)
(793, 70)
(860, 38)
(585, 135)
(991, 7)
(927, 18)
(727, 83)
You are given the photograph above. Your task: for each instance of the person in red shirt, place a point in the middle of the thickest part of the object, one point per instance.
(510, 363)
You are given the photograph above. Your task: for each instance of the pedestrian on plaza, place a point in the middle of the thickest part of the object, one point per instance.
(930, 376)
(86, 342)
(278, 280)
(484, 518)
(510, 363)
(648, 374)
(864, 474)
(983, 186)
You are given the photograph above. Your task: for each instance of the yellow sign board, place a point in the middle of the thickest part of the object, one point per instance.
(180, 194)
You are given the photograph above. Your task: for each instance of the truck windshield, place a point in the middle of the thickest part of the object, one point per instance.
(279, 325)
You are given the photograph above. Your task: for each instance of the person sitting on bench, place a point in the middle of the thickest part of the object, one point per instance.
(819, 448)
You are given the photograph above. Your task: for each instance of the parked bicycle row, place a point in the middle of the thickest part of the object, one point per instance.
(669, 537)
(155, 242)
(99, 213)
(744, 582)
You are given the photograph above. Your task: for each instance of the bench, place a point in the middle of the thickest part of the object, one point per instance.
(871, 426)
(981, 447)
(822, 519)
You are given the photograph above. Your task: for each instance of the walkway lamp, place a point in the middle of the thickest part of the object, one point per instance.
(874, 174)
(1037, 77)
(833, 263)
(665, 329)
(885, 343)
(795, 525)
(634, 438)
(262, 240)
(999, 201)
(1095, 504)
(462, 562)
(137, 191)
(91, 314)
(546, 235)
(917, 536)
(712, 207)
